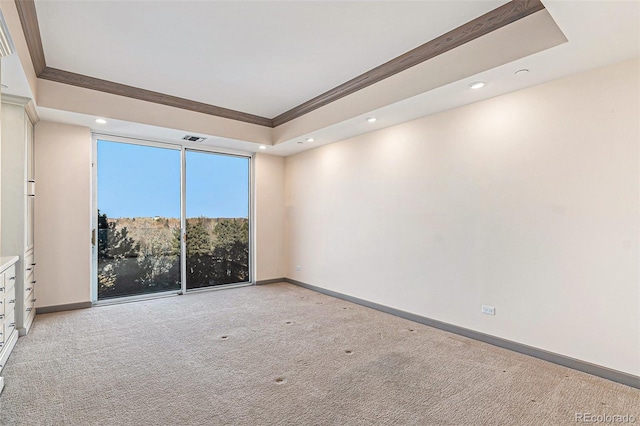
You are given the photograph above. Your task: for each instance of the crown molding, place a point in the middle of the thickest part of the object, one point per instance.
(29, 21)
(32, 112)
(26, 103)
(491, 21)
(92, 83)
(15, 100)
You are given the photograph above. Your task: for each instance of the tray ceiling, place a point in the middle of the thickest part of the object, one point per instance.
(262, 58)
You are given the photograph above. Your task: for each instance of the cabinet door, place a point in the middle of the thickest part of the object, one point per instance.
(30, 220)
(31, 171)
(30, 184)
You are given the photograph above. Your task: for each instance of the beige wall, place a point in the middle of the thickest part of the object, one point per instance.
(269, 185)
(63, 212)
(528, 202)
(65, 97)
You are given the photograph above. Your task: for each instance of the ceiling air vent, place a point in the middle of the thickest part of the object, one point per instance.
(193, 138)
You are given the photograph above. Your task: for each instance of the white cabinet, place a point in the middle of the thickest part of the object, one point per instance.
(18, 201)
(8, 301)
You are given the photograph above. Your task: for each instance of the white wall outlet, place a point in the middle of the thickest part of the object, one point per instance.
(298, 268)
(489, 310)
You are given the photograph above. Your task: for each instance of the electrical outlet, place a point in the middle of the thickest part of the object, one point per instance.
(298, 268)
(489, 310)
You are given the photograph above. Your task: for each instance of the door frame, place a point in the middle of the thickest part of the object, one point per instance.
(182, 147)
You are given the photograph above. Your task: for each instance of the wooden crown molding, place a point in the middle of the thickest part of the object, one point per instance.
(92, 83)
(491, 21)
(29, 21)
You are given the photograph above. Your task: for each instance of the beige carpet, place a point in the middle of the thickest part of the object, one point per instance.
(279, 354)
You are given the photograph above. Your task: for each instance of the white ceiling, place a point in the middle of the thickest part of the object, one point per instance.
(260, 57)
(598, 33)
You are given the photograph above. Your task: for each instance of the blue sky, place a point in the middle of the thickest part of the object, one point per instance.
(143, 181)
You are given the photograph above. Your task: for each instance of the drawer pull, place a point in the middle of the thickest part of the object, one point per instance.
(33, 300)
(30, 269)
(1, 288)
(28, 289)
(12, 301)
(2, 316)
(13, 324)
(33, 282)
(12, 278)
(28, 309)
(33, 264)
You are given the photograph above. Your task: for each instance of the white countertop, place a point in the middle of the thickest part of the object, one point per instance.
(7, 261)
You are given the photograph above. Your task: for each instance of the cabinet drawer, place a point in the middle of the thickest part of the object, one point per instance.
(9, 326)
(29, 306)
(28, 321)
(9, 300)
(9, 303)
(9, 278)
(29, 264)
(29, 294)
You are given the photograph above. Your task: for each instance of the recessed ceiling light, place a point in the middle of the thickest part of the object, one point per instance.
(522, 71)
(372, 119)
(309, 139)
(262, 147)
(101, 121)
(477, 85)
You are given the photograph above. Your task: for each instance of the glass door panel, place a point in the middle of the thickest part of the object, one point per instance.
(217, 219)
(138, 219)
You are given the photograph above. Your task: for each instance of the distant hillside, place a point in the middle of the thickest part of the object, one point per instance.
(144, 229)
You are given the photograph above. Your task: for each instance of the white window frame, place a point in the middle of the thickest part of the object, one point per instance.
(182, 147)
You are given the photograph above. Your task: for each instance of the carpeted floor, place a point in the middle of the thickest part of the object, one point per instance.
(279, 354)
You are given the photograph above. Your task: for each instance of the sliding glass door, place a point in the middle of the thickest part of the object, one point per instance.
(138, 241)
(217, 219)
(169, 219)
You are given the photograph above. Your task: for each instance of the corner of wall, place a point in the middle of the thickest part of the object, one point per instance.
(269, 217)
